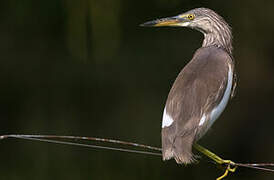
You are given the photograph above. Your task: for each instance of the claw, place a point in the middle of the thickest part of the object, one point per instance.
(218, 160)
(228, 162)
(228, 168)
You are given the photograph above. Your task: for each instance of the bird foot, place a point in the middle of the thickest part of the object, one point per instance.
(229, 163)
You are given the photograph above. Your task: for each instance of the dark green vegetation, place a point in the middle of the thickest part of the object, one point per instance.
(87, 68)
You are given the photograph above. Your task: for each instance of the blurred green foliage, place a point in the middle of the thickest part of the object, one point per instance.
(86, 68)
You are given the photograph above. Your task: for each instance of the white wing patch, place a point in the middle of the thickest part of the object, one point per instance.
(167, 120)
(202, 121)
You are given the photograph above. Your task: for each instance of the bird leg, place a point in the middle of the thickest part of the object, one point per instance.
(217, 159)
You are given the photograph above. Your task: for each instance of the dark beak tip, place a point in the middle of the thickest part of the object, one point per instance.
(148, 24)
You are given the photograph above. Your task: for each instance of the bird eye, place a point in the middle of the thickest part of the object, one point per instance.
(190, 16)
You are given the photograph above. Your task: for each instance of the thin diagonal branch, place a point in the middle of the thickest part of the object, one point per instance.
(113, 141)
(52, 139)
(89, 145)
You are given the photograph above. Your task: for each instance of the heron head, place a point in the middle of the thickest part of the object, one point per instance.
(201, 19)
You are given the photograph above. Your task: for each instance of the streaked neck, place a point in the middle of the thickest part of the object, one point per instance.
(219, 35)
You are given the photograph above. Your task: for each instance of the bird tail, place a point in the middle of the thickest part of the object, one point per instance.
(180, 149)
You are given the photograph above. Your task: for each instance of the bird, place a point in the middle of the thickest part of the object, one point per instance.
(204, 86)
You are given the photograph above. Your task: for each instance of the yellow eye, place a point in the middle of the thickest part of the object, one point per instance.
(190, 16)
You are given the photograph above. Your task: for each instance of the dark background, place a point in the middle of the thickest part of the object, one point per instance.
(86, 68)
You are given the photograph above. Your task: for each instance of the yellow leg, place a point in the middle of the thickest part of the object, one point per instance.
(212, 156)
(228, 169)
(217, 159)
